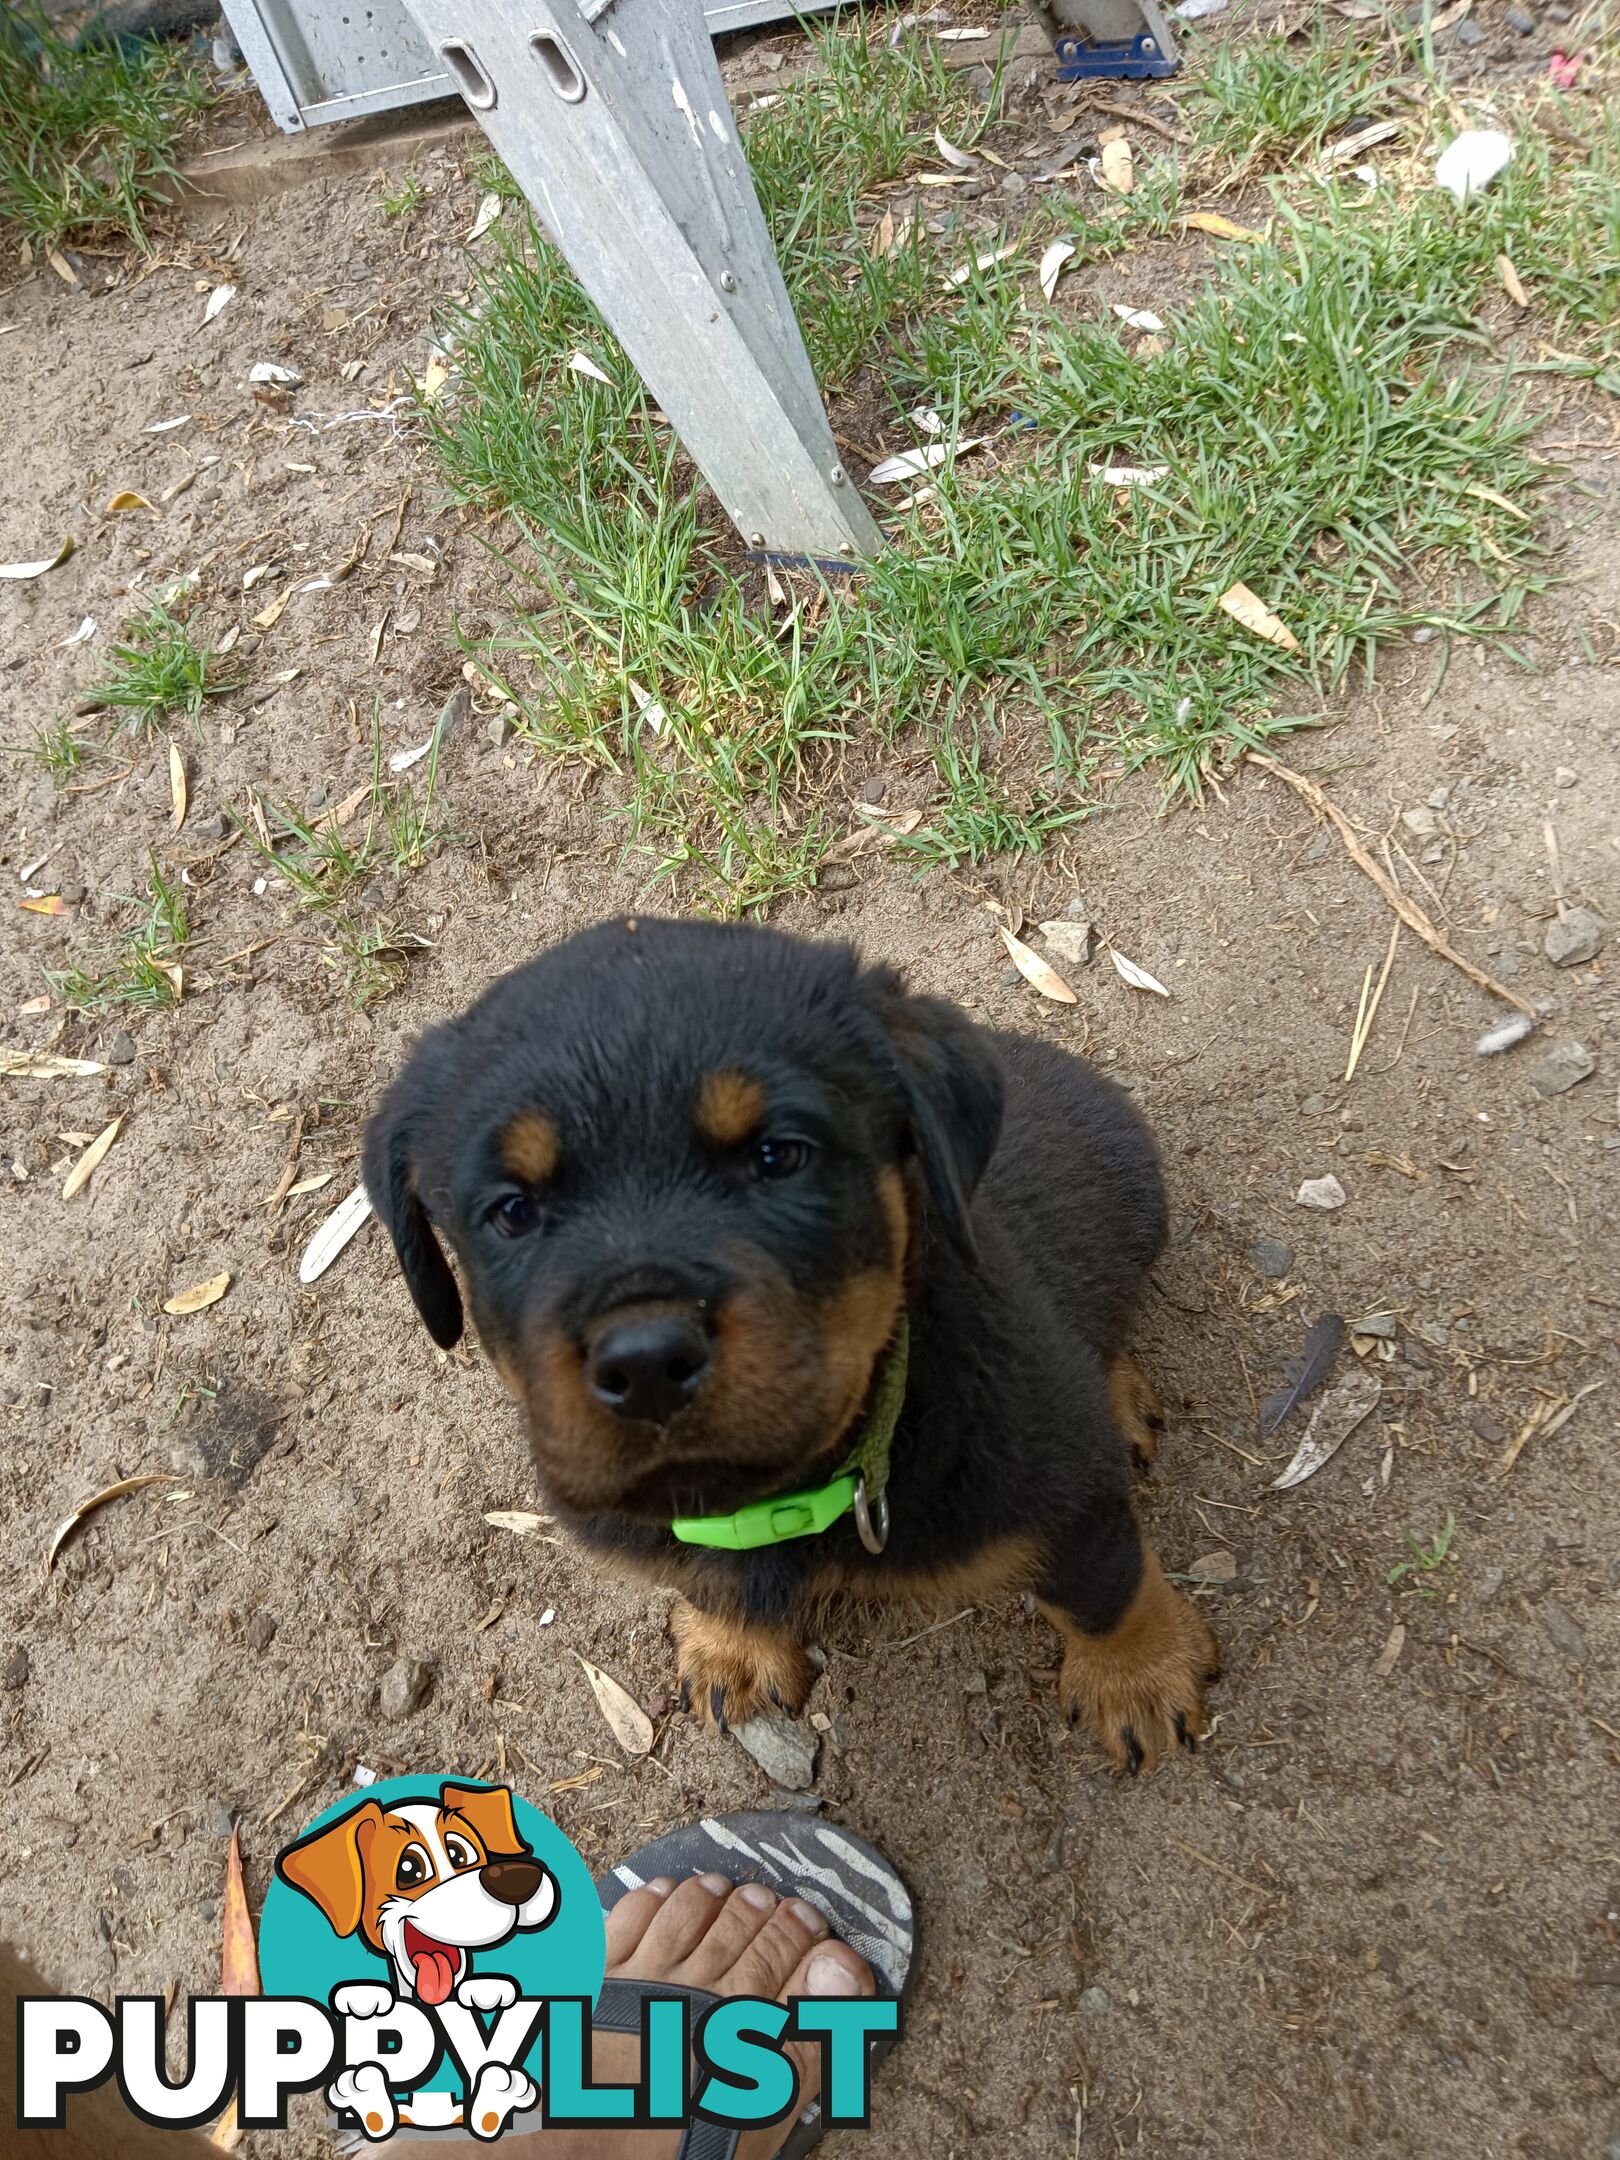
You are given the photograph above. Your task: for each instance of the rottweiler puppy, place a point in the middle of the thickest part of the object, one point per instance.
(731, 1210)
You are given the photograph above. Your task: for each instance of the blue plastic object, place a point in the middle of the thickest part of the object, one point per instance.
(1136, 57)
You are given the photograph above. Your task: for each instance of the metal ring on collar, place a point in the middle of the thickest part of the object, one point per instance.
(872, 1523)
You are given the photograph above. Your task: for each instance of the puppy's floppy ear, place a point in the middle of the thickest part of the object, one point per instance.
(328, 1866)
(954, 1091)
(390, 1174)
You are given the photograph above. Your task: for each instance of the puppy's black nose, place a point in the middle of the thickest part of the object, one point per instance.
(514, 1882)
(647, 1365)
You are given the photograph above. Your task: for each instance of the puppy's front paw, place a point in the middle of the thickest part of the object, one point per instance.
(499, 2094)
(486, 1991)
(363, 2092)
(731, 1669)
(1140, 1690)
(362, 1999)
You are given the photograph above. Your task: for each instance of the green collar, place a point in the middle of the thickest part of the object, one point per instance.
(860, 1482)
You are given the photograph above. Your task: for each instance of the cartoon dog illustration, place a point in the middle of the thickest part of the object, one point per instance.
(424, 1884)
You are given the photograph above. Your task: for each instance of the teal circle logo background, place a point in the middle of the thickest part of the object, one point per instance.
(299, 1954)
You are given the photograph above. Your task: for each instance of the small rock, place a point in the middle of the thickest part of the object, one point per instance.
(71, 892)
(1420, 822)
(1561, 1631)
(209, 828)
(1271, 1256)
(1076, 910)
(1381, 1324)
(1096, 2002)
(1313, 1106)
(977, 1682)
(784, 1750)
(1559, 12)
(1565, 1065)
(454, 711)
(1069, 940)
(121, 1050)
(405, 1687)
(497, 728)
(14, 1672)
(261, 1631)
(1574, 938)
(1010, 976)
(318, 797)
(1491, 1581)
(1468, 32)
(1214, 1567)
(1321, 1192)
(1565, 775)
(1520, 21)
(874, 790)
(219, 1820)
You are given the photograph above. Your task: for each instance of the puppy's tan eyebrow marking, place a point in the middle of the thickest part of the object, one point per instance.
(529, 1147)
(729, 1107)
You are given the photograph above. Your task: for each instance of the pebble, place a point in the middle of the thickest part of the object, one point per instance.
(1321, 1192)
(1520, 21)
(1565, 775)
(209, 828)
(14, 1672)
(1491, 1581)
(1468, 32)
(121, 1050)
(1271, 1256)
(1574, 938)
(405, 1687)
(1564, 1066)
(1096, 2002)
(874, 790)
(784, 1750)
(1561, 1631)
(220, 1820)
(261, 1631)
(496, 729)
(977, 1682)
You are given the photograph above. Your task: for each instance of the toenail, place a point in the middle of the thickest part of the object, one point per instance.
(717, 1885)
(807, 1916)
(829, 1976)
(660, 1886)
(756, 1894)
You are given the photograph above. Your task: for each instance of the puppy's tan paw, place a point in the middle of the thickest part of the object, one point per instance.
(1137, 1409)
(731, 1668)
(1139, 1691)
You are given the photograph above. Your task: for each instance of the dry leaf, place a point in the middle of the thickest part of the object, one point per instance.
(333, 1234)
(177, 786)
(1350, 147)
(434, 377)
(38, 569)
(40, 1004)
(310, 1184)
(1052, 263)
(403, 760)
(273, 373)
(489, 210)
(90, 1161)
(1389, 1656)
(1512, 284)
(583, 364)
(166, 427)
(959, 160)
(218, 300)
(199, 1295)
(517, 1521)
(1334, 1419)
(86, 629)
(960, 37)
(1137, 977)
(1251, 611)
(267, 618)
(632, 1727)
(1118, 167)
(239, 1960)
(1223, 228)
(70, 1523)
(1136, 318)
(923, 459)
(963, 271)
(46, 1065)
(881, 238)
(1041, 973)
(44, 904)
(63, 268)
(1128, 476)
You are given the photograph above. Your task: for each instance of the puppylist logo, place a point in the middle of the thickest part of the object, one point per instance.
(430, 1958)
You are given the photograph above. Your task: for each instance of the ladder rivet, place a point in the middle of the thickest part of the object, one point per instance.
(756, 539)
(836, 476)
(727, 282)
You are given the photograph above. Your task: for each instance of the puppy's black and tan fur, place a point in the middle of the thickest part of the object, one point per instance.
(694, 1174)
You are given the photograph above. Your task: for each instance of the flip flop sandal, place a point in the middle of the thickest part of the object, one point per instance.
(850, 1884)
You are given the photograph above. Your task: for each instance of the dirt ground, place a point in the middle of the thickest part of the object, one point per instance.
(1381, 1911)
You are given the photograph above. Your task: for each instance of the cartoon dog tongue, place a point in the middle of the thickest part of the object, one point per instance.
(434, 1964)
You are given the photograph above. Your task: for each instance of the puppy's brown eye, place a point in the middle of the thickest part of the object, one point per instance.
(780, 1158)
(413, 1870)
(515, 1214)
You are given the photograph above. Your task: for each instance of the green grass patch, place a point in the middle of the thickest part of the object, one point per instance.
(88, 138)
(145, 968)
(160, 668)
(1337, 428)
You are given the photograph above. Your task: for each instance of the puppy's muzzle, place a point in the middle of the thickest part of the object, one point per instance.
(646, 1362)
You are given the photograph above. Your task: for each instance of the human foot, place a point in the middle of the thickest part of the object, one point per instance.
(728, 1939)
